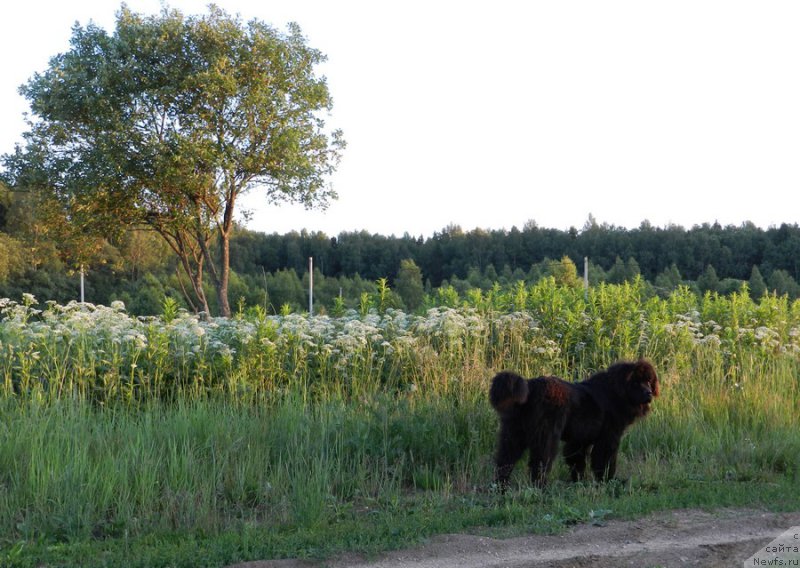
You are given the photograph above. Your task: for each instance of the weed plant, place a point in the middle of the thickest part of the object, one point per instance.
(204, 442)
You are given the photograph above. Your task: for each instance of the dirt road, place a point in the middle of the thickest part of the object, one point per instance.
(677, 538)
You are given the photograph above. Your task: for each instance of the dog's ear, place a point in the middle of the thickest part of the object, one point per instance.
(643, 371)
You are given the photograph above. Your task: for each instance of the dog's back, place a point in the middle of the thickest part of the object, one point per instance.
(509, 390)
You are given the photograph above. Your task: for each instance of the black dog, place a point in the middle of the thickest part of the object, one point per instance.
(590, 416)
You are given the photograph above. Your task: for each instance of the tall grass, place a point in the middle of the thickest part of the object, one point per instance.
(102, 355)
(69, 470)
(114, 427)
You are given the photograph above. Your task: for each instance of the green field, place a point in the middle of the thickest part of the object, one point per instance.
(173, 441)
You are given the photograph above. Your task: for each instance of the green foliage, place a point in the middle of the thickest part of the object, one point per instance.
(143, 252)
(169, 310)
(365, 304)
(5, 206)
(780, 282)
(149, 297)
(708, 280)
(409, 284)
(756, 283)
(447, 296)
(385, 297)
(181, 116)
(292, 432)
(565, 273)
(668, 280)
(12, 263)
(285, 287)
(338, 309)
(257, 258)
(623, 271)
(264, 436)
(105, 353)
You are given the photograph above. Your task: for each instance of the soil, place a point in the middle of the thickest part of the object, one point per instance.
(676, 538)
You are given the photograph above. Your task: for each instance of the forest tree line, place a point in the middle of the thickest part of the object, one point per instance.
(272, 269)
(134, 182)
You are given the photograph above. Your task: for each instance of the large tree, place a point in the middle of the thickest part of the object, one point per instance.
(165, 123)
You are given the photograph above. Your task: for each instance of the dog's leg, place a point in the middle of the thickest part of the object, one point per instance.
(575, 455)
(543, 453)
(509, 450)
(604, 458)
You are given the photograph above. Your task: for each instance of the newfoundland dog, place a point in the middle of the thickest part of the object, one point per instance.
(590, 417)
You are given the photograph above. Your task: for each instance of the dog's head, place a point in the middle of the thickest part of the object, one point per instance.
(641, 386)
(507, 391)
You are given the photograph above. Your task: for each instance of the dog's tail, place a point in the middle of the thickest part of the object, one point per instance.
(508, 390)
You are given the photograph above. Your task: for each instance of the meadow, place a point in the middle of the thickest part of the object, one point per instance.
(182, 441)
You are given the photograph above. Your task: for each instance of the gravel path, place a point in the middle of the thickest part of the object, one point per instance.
(676, 538)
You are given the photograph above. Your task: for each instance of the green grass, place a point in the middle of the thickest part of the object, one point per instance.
(207, 482)
(179, 449)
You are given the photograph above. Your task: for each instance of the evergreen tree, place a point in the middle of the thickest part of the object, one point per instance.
(756, 283)
(617, 273)
(631, 269)
(565, 273)
(489, 276)
(708, 280)
(781, 282)
(409, 284)
(669, 279)
(285, 287)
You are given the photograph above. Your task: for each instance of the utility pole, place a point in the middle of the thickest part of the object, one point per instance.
(82, 295)
(310, 285)
(586, 278)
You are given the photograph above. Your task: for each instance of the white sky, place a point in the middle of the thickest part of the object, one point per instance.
(491, 114)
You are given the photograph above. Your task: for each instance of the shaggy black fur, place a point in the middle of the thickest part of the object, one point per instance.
(590, 417)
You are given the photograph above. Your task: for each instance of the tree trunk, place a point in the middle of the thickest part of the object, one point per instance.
(201, 294)
(224, 276)
(191, 260)
(221, 275)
